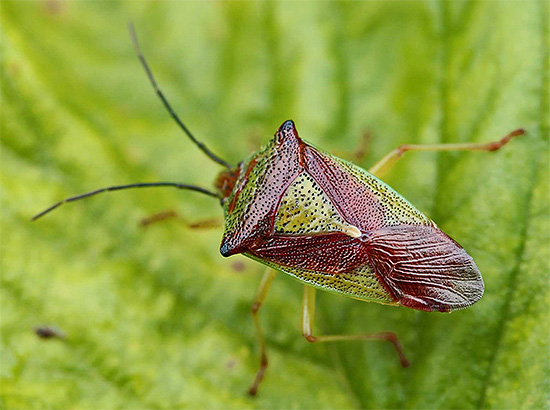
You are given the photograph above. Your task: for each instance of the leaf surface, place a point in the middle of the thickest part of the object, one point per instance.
(156, 318)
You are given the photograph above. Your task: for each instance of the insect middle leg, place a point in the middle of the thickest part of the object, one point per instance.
(308, 315)
(263, 288)
(382, 166)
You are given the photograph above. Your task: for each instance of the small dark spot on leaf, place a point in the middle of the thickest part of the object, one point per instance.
(238, 266)
(49, 332)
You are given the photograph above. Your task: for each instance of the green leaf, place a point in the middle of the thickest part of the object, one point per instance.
(156, 318)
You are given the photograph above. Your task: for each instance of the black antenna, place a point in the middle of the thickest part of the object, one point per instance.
(149, 73)
(120, 187)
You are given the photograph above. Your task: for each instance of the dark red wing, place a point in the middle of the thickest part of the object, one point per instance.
(423, 268)
(420, 266)
(353, 198)
(328, 253)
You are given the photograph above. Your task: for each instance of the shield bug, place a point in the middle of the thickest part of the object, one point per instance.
(333, 226)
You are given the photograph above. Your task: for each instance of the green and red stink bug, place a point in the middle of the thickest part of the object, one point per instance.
(333, 226)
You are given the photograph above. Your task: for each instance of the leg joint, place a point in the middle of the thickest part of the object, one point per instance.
(310, 338)
(494, 146)
(400, 150)
(390, 337)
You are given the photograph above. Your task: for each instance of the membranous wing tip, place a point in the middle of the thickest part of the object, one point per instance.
(423, 268)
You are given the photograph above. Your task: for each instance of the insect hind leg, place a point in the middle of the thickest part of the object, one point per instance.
(308, 315)
(383, 166)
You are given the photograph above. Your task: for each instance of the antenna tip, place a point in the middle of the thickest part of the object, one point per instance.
(133, 36)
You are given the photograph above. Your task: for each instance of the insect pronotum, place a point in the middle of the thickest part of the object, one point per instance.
(333, 226)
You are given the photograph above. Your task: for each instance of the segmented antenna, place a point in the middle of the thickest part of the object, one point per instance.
(128, 186)
(165, 102)
(148, 184)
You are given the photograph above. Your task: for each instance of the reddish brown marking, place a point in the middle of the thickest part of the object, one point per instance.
(226, 180)
(259, 375)
(205, 224)
(423, 268)
(354, 201)
(328, 253)
(160, 216)
(493, 146)
(489, 146)
(392, 338)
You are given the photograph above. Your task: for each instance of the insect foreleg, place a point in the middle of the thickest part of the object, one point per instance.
(263, 288)
(171, 214)
(382, 166)
(308, 316)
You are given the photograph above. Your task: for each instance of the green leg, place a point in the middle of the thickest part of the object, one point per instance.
(308, 315)
(382, 166)
(263, 288)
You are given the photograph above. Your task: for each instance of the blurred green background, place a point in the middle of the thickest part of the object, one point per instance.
(156, 318)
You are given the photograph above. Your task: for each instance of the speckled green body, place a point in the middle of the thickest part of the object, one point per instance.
(305, 208)
(333, 225)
